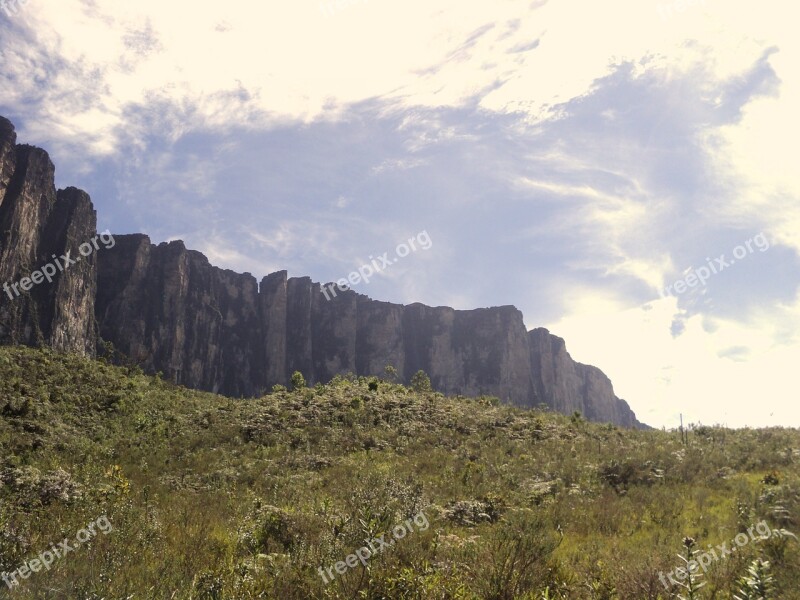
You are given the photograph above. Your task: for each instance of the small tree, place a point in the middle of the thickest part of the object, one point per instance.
(693, 583)
(391, 373)
(298, 381)
(420, 382)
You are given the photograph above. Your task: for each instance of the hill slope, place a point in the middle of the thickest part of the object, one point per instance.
(211, 497)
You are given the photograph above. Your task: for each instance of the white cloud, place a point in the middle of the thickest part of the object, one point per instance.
(663, 376)
(294, 63)
(616, 144)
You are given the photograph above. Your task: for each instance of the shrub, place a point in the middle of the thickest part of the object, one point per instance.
(623, 475)
(420, 382)
(519, 557)
(470, 513)
(298, 381)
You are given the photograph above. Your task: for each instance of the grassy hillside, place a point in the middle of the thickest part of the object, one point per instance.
(215, 498)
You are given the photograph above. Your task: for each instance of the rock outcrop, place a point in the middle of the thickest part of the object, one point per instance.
(568, 386)
(38, 225)
(168, 309)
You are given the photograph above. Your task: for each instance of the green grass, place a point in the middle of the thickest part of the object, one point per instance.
(217, 498)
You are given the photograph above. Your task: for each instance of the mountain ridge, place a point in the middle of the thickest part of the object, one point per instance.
(167, 308)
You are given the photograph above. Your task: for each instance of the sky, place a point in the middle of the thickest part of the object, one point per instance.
(622, 172)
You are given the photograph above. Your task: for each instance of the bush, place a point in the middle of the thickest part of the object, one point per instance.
(420, 382)
(298, 381)
(519, 557)
(622, 475)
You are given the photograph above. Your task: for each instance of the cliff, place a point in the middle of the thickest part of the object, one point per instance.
(216, 330)
(568, 386)
(38, 223)
(207, 328)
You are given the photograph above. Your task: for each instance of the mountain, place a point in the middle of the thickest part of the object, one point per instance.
(167, 308)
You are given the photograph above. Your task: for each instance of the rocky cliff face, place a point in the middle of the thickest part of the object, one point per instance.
(37, 224)
(169, 310)
(206, 328)
(568, 386)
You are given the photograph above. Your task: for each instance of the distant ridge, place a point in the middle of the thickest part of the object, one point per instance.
(207, 328)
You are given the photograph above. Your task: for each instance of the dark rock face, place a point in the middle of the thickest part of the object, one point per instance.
(568, 386)
(206, 328)
(169, 310)
(483, 351)
(8, 155)
(36, 224)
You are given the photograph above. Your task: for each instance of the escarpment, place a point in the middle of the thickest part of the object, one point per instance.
(168, 309)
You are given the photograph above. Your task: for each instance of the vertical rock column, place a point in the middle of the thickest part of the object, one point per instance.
(8, 156)
(36, 223)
